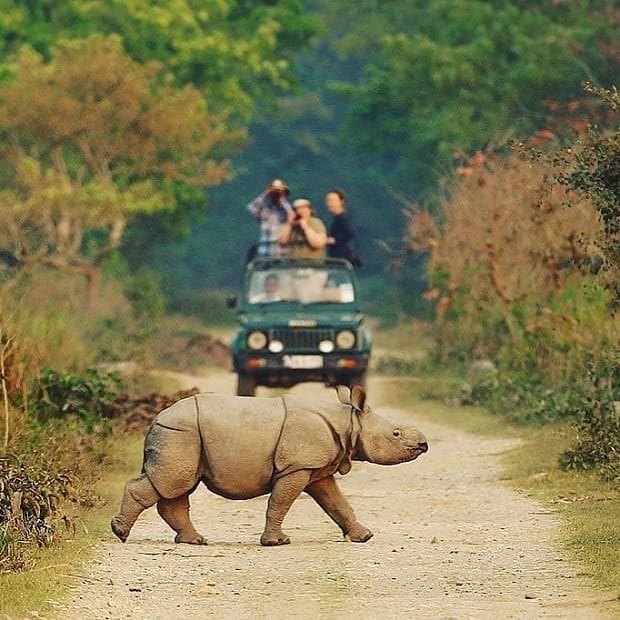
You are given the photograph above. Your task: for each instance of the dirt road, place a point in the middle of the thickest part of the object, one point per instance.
(450, 542)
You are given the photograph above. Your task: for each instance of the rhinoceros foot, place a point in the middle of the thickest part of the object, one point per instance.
(358, 533)
(274, 539)
(118, 529)
(191, 539)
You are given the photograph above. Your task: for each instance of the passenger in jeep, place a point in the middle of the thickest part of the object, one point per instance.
(272, 209)
(271, 291)
(306, 235)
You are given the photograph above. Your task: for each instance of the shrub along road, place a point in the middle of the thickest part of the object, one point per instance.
(450, 542)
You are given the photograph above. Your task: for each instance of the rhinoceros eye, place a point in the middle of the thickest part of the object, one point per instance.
(396, 432)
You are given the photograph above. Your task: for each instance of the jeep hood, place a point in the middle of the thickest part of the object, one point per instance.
(300, 318)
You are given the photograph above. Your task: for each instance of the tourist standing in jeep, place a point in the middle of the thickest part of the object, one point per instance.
(305, 236)
(272, 210)
(341, 242)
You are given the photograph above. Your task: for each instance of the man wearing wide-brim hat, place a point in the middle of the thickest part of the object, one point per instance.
(306, 235)
(272, 209)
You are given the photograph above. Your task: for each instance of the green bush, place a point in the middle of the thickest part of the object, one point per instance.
(62, 437)
(394, 298)
(210, 307)
(88, 396)
(598, 420)
(598, 442)
(523, 398)
(590, 400)
(148, 303)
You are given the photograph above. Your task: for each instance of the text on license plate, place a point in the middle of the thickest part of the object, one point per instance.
(303, 361)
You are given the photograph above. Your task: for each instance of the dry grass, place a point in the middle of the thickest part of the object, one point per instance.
(57, 568)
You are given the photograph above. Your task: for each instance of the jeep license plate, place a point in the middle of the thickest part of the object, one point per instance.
(303, 361)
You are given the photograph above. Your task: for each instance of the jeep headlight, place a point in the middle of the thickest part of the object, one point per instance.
(276, 346)
(345, 339)
(256, 340)
(326, 346)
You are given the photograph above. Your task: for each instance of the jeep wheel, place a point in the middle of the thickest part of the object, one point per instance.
(246, 385)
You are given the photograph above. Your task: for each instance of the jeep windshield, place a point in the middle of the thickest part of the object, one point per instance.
(316, 284)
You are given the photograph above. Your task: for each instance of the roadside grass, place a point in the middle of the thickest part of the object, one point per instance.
(41, 589)
(589, 509)
(388, 343)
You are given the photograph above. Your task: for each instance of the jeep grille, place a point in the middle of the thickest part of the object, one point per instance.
(302, 338)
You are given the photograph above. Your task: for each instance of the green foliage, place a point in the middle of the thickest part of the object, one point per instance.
(88, 395)
(522, 397)
(47, 472)
(416, 81)
(588, 398)
(67, 199)
(236, 52)
(598, 419)
(148, 303)
(57, 445)
(394, 365)
(209, 307)
(591, 167)
(238, 55)
(457, 73)
(515, 284)
(117, 339)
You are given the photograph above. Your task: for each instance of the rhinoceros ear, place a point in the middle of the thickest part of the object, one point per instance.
(344, 394)
(358, 397)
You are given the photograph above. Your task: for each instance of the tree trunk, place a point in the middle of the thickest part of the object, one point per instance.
(93, 276)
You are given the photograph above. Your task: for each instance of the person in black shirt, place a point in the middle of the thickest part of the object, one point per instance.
(341, 240)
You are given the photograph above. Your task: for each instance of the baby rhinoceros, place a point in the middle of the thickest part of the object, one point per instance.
(243, 447)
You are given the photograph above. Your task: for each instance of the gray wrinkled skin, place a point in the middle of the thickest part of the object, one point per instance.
(243, 447)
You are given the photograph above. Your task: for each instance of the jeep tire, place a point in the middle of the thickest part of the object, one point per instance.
(358, 380)
(246, 385)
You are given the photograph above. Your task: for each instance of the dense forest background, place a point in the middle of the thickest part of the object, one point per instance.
(378, 98)
(387, 95)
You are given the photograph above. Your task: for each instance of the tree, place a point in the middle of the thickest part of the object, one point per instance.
(238, 53)
(506, 247)
(453, 74)
(234, 51)
(90, 140)
(590, 167)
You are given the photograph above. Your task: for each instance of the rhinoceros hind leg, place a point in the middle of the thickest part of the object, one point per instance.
(285, 491)
(175, 512)
(328, 496)
(139, 495)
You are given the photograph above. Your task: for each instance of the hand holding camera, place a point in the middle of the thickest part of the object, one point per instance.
(277, 188)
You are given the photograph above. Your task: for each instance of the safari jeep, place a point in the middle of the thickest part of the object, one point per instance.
(299, 321)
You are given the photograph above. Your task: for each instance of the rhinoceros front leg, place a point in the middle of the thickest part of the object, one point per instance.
(139, 495)
(328, 496)
(285, 491)
(175, 512)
